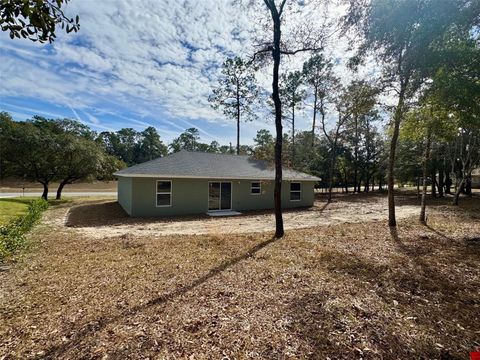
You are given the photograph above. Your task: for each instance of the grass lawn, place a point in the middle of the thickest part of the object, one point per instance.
(349, 291)
(11, 208)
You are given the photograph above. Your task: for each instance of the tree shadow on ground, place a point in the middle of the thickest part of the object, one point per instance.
(17, 201)
(324, 326)
(110, 213)
(427, 276)
(334, 325)
(84, 332)
(469, 244)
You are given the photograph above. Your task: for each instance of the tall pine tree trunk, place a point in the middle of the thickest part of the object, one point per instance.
(426, 157)
(355, 161)
(434, 182)
(391, 159)
(332, 167)
(345, 180)
(314, 118)
(293, 135)
(441, 176)
(277, 192)
(238, 119)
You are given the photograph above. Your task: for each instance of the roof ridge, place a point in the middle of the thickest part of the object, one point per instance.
(210, 153)
(186, 163)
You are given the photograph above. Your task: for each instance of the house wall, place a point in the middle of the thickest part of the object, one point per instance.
(124, 190)
(190, 196)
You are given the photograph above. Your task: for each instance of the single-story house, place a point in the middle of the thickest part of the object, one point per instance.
(194, 182)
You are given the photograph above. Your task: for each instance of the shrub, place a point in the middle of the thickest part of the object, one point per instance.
(12, 235)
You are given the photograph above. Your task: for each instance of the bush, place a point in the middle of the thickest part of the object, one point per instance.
(12, 235)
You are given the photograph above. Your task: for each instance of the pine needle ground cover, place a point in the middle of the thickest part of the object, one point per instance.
(346, 291)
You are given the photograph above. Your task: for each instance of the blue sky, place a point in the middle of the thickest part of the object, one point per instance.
(134, 64)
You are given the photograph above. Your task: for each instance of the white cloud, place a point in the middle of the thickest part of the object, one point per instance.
(154, 59)
(155, 52)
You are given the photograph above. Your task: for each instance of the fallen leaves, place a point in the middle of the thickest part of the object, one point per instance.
(340, 292)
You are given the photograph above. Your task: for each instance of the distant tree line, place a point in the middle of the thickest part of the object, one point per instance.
(45, 151)
(352, 156)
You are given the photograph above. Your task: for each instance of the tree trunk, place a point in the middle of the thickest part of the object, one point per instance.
(60, 189)
(345, 180)
(391, 160)
(434, 181)
(45, 190)
(330, 179)
(426, 156)
(355, 162)
(293, 135)
(366, 187)
(441, 175)
(448, 183)
(359, 184)
(468, 186)
(277, 193)
(314, 118)
(458, 191)
(238, 119)
(332, 167)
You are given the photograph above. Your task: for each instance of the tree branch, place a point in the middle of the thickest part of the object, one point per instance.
(293, 52)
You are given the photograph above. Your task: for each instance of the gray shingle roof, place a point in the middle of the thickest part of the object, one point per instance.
(211, 166)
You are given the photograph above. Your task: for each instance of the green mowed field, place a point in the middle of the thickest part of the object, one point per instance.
(11, 208)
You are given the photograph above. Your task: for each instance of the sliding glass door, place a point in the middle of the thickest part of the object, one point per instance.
(219, 196)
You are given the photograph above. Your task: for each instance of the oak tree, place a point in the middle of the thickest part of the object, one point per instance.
(36, 20)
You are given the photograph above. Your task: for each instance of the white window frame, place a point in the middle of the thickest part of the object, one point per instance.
(295, 191)
(163, 193)
(259, 187)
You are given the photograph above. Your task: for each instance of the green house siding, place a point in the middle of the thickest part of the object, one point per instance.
(124, 190)
(190, 196)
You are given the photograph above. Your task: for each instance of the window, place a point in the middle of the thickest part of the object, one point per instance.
(164, 193)
(256, 188)
(295, 191)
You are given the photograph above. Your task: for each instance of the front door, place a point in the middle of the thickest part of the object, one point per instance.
(219, 196)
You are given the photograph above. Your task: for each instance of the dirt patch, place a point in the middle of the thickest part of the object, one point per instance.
(107, 219)
(348, 291)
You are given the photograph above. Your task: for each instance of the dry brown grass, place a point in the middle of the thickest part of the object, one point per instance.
(344, 292)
